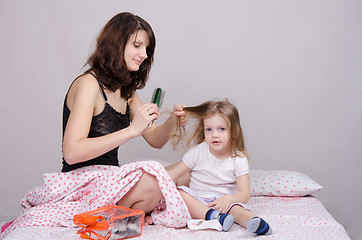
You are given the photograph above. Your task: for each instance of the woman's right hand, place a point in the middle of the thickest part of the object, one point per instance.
(143, 116)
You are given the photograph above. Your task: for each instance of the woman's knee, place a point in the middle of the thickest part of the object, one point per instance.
(146, 190)
(149, 193)
(149, 184)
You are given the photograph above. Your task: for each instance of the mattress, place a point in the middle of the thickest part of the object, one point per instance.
(290, 218)
(283, 198)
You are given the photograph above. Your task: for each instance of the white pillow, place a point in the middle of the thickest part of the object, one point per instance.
(281, 183)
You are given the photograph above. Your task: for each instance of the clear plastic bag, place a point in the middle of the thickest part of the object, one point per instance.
(110, 223)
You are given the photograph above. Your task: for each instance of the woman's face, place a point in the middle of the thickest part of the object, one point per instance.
(135, 50)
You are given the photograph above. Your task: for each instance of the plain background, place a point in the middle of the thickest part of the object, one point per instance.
(293, 68)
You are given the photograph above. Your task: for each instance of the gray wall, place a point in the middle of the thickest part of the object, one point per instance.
(293, 68)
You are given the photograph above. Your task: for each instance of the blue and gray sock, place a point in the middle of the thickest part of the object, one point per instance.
(259, 226)
(226, 220)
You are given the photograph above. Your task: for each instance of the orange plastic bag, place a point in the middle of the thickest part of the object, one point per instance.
(110, 223)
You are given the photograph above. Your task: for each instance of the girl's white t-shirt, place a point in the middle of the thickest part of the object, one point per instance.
(211, 176)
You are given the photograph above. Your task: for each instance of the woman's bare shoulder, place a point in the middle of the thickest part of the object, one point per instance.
(85, 83)
(87, 80)
(84, 87)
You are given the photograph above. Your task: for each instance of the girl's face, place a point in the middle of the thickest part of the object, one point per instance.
(217, 136)
(135, 50)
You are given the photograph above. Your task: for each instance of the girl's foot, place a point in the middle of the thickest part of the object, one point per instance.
(259, 226)
(226, 220)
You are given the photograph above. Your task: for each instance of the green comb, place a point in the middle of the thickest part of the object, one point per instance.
(157, 98)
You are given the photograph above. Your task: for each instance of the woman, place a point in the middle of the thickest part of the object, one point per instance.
(102, 111)
(101, 103)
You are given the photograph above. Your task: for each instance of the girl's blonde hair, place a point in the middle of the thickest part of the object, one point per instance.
(208, 109)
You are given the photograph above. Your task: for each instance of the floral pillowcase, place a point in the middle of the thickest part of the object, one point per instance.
(281, 183)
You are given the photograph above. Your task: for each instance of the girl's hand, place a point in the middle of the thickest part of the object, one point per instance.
(144, 115)
(183, 118)
(222, 204)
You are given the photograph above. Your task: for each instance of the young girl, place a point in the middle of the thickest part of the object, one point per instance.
(219, 182)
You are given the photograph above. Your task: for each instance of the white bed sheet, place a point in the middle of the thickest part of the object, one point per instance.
(290, 218)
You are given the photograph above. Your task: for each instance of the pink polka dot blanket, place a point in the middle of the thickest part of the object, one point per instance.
(64, 195)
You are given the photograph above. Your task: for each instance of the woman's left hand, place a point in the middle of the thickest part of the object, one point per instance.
(183, 118)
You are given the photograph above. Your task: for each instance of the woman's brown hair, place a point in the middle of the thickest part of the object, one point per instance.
(107, 61)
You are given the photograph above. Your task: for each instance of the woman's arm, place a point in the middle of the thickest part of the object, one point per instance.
(158, 136)
(242, 195)
(77, 147)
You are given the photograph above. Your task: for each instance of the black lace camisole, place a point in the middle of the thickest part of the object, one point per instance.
(108, 121)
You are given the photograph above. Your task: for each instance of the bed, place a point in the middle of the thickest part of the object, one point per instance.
(283, 198)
